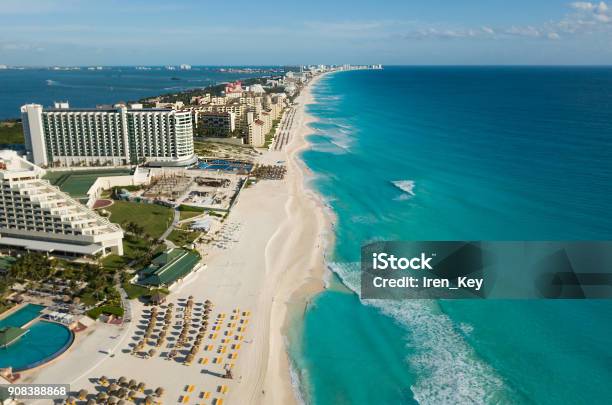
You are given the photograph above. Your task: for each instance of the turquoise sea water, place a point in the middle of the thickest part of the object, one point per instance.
(459, 153)
(43, 340)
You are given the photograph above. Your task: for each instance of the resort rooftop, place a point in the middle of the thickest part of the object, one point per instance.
(169, 266)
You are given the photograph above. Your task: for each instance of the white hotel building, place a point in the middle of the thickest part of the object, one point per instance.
(34, 215)
(62, 136)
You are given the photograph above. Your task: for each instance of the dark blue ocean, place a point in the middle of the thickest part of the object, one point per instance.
(88, 88)
(458, 153)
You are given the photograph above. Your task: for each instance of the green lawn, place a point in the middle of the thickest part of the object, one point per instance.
(105, 309)
(154, 218)
(11, 132)
(135, 291)
(191, 208)
(189, 214)
(181, 238)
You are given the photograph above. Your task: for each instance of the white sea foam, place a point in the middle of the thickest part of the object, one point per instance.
(349, 274)
(297, 382)
(52, 82)
(407, 186)
(466, 328)
(448, 370)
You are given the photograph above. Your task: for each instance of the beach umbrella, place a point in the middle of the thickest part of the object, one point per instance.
(151, 352)
(141, 386)
(159, 391)
(122, 393)
(149, 400)
(122, 381)
(122, 402)
(113, 400)
(83, 394)
(103, 380)
(132, 384)
(70, 400)
(102, 396)
(132, 394)
(91, 401)
(113, 387)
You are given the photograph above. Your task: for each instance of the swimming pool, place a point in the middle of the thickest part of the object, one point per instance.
(224, 165)
(22, 316)
(43, 342)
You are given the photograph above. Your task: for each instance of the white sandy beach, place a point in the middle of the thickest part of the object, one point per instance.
(273, 260)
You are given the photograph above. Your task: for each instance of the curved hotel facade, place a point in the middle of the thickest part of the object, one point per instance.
(34, 215)
(63, 136)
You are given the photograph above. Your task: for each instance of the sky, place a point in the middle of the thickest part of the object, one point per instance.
(204, 32)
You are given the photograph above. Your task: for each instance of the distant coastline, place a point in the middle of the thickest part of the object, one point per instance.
(88, 88)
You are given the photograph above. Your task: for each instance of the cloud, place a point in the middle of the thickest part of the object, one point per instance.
(527, 31)
(553, 35)
(588, 13)
(583, 5)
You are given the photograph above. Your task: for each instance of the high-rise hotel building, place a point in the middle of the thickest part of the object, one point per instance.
(34, 215)
(64, 136)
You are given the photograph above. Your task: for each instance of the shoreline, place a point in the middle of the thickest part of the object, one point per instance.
(299, 287)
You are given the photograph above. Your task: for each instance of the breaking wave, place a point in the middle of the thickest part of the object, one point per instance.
(447, 369)
(407, 186)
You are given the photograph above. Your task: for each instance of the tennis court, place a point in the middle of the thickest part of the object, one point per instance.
(76, 183)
